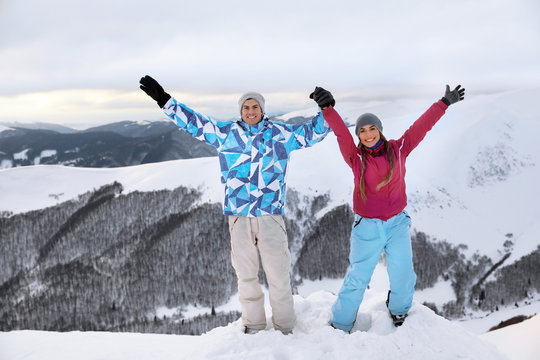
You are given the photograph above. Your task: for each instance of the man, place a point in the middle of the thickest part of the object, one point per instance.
(253, 155)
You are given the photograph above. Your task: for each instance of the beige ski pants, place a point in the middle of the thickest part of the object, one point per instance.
(268, 235)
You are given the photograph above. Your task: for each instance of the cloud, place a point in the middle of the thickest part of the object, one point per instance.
(225, 48)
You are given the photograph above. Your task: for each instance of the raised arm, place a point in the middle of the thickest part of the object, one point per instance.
(326, 102)
(199, 126)
(308, 134)
(418, 130)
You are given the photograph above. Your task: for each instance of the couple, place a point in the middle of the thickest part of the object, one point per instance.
(254, 154)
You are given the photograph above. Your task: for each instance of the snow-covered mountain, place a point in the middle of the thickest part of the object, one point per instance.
(471, 182)
(123, 143)
(36, 126)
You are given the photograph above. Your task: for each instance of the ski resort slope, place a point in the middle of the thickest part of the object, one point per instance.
(424, 336)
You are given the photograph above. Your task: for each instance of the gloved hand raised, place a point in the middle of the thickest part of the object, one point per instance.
(322, 97)
(453, 96)
(152, 88)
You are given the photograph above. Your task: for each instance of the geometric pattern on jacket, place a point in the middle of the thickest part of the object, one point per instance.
(253, 158)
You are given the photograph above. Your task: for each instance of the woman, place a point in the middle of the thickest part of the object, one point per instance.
(379, 200)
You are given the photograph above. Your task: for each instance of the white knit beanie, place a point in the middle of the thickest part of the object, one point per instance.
(251, 95)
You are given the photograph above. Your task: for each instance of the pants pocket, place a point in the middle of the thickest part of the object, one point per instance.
(357, 221)
(279, 220)
(232, 221)
(407, 217)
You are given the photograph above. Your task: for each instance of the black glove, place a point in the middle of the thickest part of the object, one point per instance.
(322, 97)
(152, 88)
(451, 97)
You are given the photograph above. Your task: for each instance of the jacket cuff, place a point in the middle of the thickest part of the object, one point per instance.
(328, 109)
(163, 100)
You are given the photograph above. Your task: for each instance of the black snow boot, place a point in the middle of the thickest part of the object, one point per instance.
(396, 319)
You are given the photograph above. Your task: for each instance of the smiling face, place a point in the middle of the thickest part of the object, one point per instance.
(369, 135)
(251, 112)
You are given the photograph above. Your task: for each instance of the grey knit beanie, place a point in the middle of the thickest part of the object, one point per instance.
(368, 119)
(251, 95)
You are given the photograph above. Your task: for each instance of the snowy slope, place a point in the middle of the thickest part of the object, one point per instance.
(425, 336)
(479, 163)
(33, 187)
(519, 341)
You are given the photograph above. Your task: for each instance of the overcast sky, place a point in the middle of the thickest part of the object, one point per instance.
(79, 62)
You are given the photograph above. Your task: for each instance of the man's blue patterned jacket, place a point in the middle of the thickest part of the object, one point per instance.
(253, 158)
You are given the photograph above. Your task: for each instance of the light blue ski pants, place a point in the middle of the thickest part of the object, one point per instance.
(369, 237)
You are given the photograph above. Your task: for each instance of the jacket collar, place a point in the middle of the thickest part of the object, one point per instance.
(253, 128)
(375, 151)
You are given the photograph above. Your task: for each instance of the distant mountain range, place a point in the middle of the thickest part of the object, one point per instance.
(123, 143)
(119, 144)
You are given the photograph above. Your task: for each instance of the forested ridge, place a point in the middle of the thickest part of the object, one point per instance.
(107, 260)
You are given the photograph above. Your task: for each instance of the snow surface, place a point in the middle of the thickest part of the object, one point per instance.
(520, 341)
(424, 335)
(482, 322)
(4, 128)
(44, 154)
(23, 155)
(5, 164)
(34, 187)
(48, 153)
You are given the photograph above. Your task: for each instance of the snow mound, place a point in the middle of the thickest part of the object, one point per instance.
(424, 335)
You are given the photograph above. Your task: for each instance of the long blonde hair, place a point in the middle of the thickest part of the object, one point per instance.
(390, 173)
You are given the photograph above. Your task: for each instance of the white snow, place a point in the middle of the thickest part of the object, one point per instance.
(6, 164)
(148, 122)
(44, 154)
(47, 153)
(519, 341)
(424, 335)
(29, 187)
(4, 128)
(482, 322)
(22, 155)
(440, 294)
